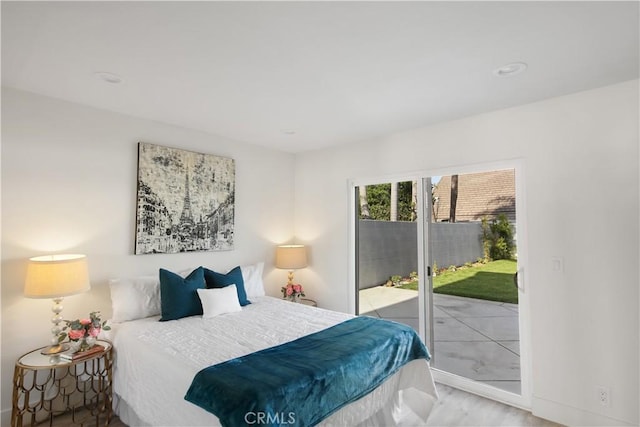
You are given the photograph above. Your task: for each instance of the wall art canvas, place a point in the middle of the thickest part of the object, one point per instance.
(185, 201)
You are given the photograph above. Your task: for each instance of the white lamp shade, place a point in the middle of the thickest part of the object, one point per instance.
(291, 257)
(54, 276)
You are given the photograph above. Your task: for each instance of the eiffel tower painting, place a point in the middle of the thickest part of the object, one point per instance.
(185, 201)
(186, 218)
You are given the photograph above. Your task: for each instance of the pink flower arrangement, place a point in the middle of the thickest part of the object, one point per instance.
(292, 291)
(80, 329)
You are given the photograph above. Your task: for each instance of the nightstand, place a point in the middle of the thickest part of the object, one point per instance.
(45, 387)
(307, 301)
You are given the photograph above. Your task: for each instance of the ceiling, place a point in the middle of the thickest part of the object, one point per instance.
(299, 76)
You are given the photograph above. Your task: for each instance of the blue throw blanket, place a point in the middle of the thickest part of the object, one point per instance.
(304, 381)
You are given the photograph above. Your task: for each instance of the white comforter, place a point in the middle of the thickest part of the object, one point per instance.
(156, 362)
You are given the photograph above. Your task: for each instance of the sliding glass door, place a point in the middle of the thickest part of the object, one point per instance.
(447, 267)
(387, 251)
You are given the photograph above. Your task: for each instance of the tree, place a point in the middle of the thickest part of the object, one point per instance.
(435, 206)
(378, 202)
(454, 198)
(379, 197)
(406, 203)
(497, 236)
(393, 205)
(364, 204)
(414, 200)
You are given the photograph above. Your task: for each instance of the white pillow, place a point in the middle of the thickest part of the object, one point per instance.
(134, 298)
(252, 276)
(216, 301)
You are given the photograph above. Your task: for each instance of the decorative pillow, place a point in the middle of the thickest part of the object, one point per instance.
(233, 277)
(178, 296)
(186, 271)
(252, 277)
(134, 298)
(216, 301)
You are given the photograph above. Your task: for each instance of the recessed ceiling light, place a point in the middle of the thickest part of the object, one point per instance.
(511, 69)
(108, 77)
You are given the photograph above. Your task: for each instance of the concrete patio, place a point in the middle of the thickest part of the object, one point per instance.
(473, 338)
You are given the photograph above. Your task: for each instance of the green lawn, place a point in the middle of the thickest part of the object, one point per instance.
(492, 281)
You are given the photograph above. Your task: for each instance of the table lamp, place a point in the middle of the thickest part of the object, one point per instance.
(56, 276)
(291, 257)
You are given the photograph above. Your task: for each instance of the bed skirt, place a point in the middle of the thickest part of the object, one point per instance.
(404, 399)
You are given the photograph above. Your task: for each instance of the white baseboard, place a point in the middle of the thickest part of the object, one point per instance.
(570, 416)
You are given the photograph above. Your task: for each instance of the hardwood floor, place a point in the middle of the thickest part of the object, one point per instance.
(459, 408)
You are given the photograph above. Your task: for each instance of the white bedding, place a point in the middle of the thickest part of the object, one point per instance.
(156, 362)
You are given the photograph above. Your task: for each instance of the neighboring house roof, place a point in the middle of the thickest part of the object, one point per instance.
(479, 194)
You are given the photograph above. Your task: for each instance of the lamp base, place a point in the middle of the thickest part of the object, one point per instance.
(54, 349)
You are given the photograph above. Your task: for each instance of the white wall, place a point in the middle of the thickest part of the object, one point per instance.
(580, 156)
(69, 185)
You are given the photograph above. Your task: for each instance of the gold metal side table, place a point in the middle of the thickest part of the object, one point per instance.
(46, 387)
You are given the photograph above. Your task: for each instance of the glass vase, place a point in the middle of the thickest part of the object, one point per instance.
(86, 343)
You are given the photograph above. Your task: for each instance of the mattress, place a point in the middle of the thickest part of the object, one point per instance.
(156, 362)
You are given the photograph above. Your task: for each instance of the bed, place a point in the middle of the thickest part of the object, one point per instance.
(156, 362)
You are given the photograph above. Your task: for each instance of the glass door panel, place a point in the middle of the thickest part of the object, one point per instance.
(474, 263)
(387, 252)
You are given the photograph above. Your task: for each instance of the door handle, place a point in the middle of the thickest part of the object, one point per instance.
(518, 279)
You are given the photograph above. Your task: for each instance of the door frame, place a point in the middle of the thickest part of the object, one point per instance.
(524, 320)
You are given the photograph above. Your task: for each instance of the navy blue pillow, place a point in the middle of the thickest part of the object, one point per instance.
(179, 296)
(234, 277)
